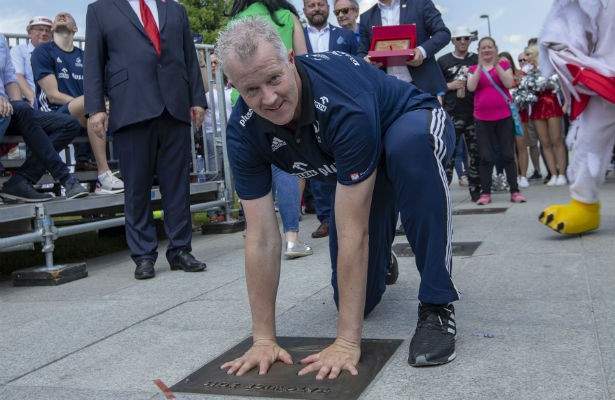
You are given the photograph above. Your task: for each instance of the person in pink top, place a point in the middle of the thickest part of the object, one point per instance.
(490, 81)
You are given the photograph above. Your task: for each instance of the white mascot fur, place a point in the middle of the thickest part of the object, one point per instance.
(578, 43)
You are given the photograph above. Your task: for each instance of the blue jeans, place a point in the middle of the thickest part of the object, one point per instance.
(323, 191)
(286, 193)
(4, 123)
(45, 134)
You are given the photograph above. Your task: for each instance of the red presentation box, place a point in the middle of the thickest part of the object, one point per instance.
(392, 45)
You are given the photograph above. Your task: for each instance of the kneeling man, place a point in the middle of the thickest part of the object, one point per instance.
(385, 142)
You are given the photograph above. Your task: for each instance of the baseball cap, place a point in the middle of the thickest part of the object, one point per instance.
(461, 31)
(40, 21)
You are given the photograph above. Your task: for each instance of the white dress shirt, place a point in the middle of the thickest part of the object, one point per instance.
(152, 6)
(319, 39)
(390, 15)
(20, 55)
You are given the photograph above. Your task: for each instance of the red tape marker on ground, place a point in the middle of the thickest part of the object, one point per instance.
(165, 390)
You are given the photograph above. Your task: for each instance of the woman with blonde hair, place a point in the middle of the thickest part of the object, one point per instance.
(490, 81)
(547, 115)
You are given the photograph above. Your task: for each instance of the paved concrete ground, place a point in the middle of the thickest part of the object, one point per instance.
(536, 320)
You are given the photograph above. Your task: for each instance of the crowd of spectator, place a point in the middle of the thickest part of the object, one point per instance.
(42, 80)
(42, 99)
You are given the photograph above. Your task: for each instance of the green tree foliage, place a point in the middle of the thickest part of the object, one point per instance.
(207, 17)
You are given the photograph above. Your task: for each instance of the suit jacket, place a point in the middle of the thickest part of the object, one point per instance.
(432, 35)
(120, 61)
(340, 39)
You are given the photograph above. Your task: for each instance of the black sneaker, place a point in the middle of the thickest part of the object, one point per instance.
(22, 191)
(535, 176)
(74, 190)
(433, 342)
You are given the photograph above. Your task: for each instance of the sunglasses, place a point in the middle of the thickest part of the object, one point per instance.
(464, 38)
(344, 11)
(523, 60)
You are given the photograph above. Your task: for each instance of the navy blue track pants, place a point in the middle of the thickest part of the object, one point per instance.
(411, 177)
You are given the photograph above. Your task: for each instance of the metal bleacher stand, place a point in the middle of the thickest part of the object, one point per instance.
(30, 223)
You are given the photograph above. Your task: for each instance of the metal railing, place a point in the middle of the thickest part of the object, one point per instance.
(40, 214)
(15, 39)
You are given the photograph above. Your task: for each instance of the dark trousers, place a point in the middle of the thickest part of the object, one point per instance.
(411, 177)
(323, 191)
(83, 151)
(464, 127)
(498, 133)
(159, 146)
(44, 134)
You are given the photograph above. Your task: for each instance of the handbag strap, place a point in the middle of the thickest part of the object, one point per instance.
(495, 85)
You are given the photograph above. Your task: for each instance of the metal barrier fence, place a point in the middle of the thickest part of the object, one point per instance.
(213, 147)
(15, 39)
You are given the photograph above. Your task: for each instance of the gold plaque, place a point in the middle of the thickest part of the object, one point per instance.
(384, 45)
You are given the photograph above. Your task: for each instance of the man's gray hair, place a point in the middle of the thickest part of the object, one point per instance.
(354, 3)
(242, 38)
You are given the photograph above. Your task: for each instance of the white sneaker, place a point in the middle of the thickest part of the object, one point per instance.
(296, 250)
(108, 183)
(561, 180)
(552, 181)
(523, 182)
(463, 181)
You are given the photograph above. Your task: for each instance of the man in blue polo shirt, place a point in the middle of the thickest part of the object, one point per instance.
(58, 72)
(385, 143)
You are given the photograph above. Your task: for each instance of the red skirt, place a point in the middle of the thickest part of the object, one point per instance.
(546, 107)
(524, 116)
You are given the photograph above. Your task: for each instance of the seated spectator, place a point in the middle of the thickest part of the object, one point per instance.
(39, 32)
(33, 125)
(58, 72)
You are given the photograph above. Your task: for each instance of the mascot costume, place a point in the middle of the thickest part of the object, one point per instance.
(578, 43)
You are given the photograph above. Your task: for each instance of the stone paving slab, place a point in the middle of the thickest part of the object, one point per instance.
(63, 393)
(536, 319)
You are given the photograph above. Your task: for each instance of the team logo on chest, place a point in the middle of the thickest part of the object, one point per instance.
(63, 74)
(78, 62)
(276, 143)
(322, 104)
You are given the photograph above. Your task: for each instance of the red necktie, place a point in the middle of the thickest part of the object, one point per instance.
(149, 23)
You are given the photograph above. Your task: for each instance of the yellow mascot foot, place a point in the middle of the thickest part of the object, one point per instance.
(572, 218)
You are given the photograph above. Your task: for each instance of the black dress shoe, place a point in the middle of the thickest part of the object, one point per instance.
(145, 270)
(186, 261)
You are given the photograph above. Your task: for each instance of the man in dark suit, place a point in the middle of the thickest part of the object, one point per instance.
(432, 36)
(141, 55)
(320, 35)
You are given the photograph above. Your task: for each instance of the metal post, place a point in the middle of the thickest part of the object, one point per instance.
(486, 16)
(45, 224)
(229, 189)
(214, 117)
